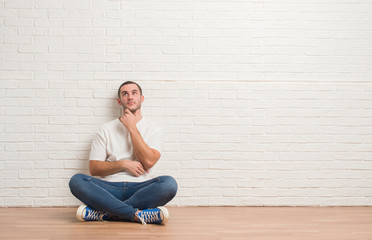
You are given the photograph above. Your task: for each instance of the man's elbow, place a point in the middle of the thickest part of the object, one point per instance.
(151, 161)
(92, 171)
(93, 168)
(148, 165)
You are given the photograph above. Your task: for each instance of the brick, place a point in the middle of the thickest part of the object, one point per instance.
(18, 202)
(47, 202)
(265, 104)
(32, 49)
(15, 183)
(27, 192)
(70, 4)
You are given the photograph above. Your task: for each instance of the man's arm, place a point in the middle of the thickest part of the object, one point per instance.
(146, 155)
(101, 168)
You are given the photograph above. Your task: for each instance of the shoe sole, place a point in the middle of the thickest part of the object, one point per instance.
(165, 212)
(79, 213)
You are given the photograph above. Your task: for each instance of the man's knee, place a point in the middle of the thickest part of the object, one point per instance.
(170, 184)
(75, 181)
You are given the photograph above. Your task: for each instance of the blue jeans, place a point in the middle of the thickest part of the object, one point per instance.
(123, 199)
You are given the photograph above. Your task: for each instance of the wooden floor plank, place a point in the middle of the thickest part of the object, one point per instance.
(193, 223)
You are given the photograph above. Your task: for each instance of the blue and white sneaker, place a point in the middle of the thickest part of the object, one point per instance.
(157, 215)
(86, 213)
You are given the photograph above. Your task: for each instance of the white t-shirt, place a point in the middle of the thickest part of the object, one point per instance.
(113, 143)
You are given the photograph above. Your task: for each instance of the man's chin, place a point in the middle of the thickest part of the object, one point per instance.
(133, 110)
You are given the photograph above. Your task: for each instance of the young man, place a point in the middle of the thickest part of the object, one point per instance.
(122, 154)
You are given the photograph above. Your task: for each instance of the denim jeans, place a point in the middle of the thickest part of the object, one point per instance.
(123, 199)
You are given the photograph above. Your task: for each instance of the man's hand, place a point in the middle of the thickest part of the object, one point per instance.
(101, 168)
(134, 168)
(128, 120)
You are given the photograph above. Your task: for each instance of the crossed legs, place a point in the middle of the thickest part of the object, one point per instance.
(123, 199)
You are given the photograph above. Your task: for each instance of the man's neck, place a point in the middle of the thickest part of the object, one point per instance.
(138, 114)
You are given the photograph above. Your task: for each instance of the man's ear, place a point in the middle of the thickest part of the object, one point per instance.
(142, 99)
(118, 100)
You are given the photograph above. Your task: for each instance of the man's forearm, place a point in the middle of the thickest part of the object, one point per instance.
(146, 155)
(101, 168)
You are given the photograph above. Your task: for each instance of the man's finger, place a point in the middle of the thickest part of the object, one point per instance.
(127, 111)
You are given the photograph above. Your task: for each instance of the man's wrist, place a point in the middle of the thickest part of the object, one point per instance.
(123, 165)
(133, 130)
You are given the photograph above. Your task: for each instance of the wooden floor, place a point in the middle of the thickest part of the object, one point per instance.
(300, 223)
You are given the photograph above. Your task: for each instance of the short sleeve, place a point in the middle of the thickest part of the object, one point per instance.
(98, 148)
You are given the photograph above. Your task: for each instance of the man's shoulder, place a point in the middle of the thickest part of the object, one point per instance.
(111, 124)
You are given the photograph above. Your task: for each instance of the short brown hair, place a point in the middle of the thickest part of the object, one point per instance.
(129, 82)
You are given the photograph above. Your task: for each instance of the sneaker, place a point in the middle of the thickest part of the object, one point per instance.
(157, 215)
(86, 213)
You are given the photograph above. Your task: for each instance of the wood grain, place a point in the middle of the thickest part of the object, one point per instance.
(333, 223)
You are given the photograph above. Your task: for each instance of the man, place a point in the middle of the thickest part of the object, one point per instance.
(122, 154)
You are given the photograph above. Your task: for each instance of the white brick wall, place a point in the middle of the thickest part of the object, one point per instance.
(264, 102)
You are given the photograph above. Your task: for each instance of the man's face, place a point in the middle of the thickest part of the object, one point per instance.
(130, 97)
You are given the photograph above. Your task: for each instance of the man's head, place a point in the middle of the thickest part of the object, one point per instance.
(130, 96)
(126, 83)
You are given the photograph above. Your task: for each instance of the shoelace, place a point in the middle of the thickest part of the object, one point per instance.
(147, 216)
(93, 215)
